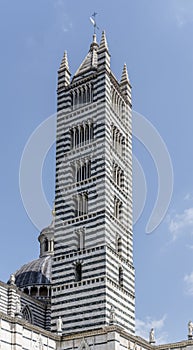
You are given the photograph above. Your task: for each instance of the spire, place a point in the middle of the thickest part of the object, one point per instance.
(125, 84)
(94, 42)
(64, 63)
(124, 77)
(103, 44)
(64, 71)
(103, 54)
(90, 61)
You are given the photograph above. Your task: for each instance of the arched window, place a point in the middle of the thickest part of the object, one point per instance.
(84, 95)
(81, 239)
(122, 179)
(121, 276)
(46, 245)
(78, 272)
(34, 291)
(72, 138)
(76, 210)
(81, 204)
(86, 133)
(89, 168)
(119, 246)
(43, 292)
(117, 208)
(26, 291)
(27, 314)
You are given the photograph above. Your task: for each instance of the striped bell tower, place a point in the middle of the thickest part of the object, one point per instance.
(92, 273)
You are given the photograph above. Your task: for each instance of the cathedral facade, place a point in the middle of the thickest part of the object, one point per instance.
(80, 292)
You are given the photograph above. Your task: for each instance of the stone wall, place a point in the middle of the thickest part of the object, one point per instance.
(18, 334)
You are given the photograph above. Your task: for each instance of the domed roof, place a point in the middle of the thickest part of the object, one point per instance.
(48, 229)
(36, 272)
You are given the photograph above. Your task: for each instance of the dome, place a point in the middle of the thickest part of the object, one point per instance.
(36, 272)
(46, 239)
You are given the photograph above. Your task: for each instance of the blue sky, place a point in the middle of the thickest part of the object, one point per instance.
(154, 38)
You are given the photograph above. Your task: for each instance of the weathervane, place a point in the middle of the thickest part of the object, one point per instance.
(93, 21)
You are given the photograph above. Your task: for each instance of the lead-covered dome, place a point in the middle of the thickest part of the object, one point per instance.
(34, 278)
(36, 272)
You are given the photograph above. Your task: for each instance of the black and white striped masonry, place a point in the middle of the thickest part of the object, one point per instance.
(92, 268)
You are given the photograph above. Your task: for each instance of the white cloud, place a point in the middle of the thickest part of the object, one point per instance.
(188, 279)
(143, 328)
(181, 222)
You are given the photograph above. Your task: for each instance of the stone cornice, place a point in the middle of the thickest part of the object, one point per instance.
(180, 344)
(136, 340)
(29, 326)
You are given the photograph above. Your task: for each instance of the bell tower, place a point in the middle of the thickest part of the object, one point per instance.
(92, 272)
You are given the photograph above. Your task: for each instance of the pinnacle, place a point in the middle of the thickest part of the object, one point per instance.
(94, 39)
(64, 63)
(94, 44)
(103, 43)
(124, 77)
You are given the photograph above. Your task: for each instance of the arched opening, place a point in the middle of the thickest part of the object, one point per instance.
(84, 95)
(76, 211)
(78, 272)
(89, 169)
(86, 133)
(121, 276)
(78, 178)
(43, 292)
(119, 246)
(46, 245)
(34, 291)
(27, 314)
(81, 239)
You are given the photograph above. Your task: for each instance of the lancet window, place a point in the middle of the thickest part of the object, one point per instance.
(117, 208)
(81, 204)
(120, 276)
(118, 175)
(119, 246)
(78, 272)
(46, 245)
(27, 314)
(81, 238)
(117, 102)
(82, 134)
(118, 140)
(82, 169)
(81, 95)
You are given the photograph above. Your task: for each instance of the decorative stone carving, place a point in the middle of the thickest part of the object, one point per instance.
(83, 345)
(59, 325)
(38, 344)
(151, 336)
(18, 307)
(190, 330)
(112, 317)
(12, 279)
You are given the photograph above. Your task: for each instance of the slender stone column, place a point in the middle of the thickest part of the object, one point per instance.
(84, 133)
(74, 137)
(76, 172)
(79, 135)
(73, 99)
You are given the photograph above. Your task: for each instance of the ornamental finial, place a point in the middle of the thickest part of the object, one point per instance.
(93, 21)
